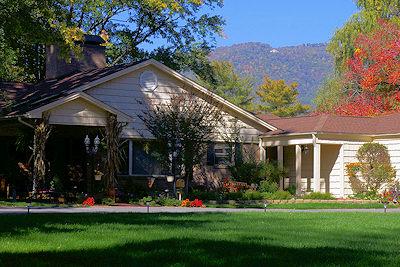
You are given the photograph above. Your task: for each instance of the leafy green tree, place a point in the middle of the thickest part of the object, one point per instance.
(224, 81)
(126, 24)
(341, 45)
(182, 130)
(330, 93)
(24, 25)
(376, 168)
(280, 98)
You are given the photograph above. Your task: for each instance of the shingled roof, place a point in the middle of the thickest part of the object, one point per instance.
(26, 97)
(328, 123)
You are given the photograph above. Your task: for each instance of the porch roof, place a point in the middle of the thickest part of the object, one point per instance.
(335, 124)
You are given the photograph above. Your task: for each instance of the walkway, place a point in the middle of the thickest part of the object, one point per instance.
(132, 209)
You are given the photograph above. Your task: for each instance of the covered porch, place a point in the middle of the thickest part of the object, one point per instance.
(73, 150)
(312, 164)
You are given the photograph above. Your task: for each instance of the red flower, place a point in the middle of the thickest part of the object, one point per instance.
(88, 202)
(196, 203)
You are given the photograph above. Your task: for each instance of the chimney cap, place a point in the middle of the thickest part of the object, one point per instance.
(93, 39)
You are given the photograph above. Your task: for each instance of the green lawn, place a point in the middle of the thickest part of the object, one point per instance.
(32, 204)
(242, 239)
(304, 206)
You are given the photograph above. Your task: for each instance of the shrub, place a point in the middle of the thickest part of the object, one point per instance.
(268, 186)
(210, 195)
(374, 166)
(233, 195)
(319, 195)
(144, 200)
(252, 195)
(278, 195)
(368, 195)
(273, 171)
(234, 186)
(254, 172)
(169, 202)
(107, 201)
(248, 172)
(292, 189)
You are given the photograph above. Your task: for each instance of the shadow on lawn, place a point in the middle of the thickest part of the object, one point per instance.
(11, 225)
(198, 252)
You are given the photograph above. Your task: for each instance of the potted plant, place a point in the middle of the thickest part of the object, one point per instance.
(97, 175)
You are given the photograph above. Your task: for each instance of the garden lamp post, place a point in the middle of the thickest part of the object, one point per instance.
(91, 151)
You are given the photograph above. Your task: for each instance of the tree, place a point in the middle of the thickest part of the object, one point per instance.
(225, 82)
(127, 24)
(330, 94)
(372, 76)
(24, 25)
(375, 65)
(280, 98)
(341, 46)
(182, 130)
(375, 167)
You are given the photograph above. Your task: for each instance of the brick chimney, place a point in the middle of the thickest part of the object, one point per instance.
(93, 57)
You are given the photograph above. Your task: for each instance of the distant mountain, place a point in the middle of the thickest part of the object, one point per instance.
(306, 64)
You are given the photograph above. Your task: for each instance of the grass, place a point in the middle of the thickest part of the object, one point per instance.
(304, 206)
(217, 239)
(32, 204)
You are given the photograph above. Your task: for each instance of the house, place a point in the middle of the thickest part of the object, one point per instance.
(80, 95)
(315, 149)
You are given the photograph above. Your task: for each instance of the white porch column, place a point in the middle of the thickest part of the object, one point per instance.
(298, 169)
(342, 181)
(130, 150)
(280, 162)
(263, 151)
(317, 167)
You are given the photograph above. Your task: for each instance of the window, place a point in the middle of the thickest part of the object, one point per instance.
(143, 162)
(218, 154)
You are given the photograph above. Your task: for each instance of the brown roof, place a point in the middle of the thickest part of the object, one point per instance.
(267, 116)
(28, 97)
(328, 123)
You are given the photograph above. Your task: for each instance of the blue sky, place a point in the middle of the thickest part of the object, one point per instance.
(283, 22)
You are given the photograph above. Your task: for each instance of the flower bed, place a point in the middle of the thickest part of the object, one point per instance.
(195, 203)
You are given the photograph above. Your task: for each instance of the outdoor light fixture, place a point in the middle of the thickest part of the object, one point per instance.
(170, 178)
(96, 142)
(305, 149)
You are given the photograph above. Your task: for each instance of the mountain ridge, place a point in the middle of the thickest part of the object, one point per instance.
(307, 64)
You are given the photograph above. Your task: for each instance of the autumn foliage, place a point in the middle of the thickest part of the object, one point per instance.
(375, 65)
(373, 73)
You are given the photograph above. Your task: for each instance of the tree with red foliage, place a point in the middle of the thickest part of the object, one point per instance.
(373, 73)
(375, 65)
